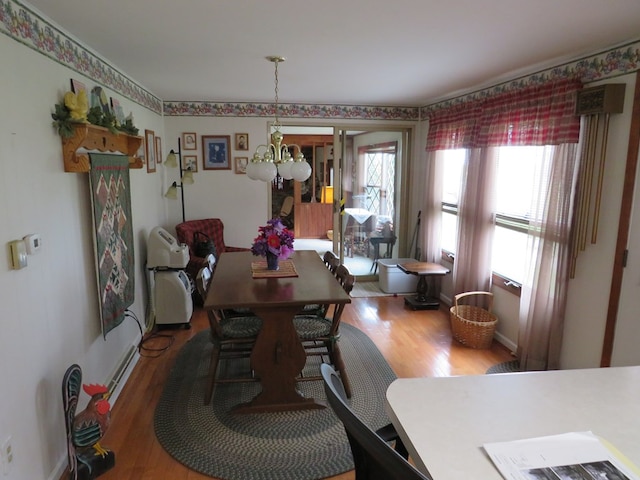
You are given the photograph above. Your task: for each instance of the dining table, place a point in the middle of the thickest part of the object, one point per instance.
(444, 422)
(278, 355)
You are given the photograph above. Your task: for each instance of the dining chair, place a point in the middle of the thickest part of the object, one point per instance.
(373, 456)
(232, 337)
(320, 335)
(331, 260)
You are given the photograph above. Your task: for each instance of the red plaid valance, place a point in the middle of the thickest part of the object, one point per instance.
(536, 115)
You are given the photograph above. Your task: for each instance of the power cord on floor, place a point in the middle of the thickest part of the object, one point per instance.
(142, 349)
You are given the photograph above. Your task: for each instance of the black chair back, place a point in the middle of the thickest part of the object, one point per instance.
(374, 459)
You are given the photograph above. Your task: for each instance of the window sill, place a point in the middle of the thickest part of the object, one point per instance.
(497, 280)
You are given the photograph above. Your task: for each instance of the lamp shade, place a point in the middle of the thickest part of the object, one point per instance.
(187, 177)
(300, 171)
(172, 191)
(171, 160)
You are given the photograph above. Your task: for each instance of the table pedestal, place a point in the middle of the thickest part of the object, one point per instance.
(422, 300)
(278, 358)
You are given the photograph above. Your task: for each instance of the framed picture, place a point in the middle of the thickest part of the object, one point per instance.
(158, 150)
(242, 141)
(190, 163)
(189, 141)
(215, 152)
(240, 164)
(76, 86)
(150, 144)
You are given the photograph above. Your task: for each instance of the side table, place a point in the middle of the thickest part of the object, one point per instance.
(422, 301)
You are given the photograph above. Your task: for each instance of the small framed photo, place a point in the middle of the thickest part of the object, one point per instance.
(215, 152)
(242, 141)
(150, 144)
(77, 86)
(158, 150)
(240, 164)
(189, 141)
(190, 163)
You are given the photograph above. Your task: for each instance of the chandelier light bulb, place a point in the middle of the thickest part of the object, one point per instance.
(253, 170)
(300, 171)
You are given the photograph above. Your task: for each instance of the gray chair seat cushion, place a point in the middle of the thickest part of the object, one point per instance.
(241, 327)
(311, 326)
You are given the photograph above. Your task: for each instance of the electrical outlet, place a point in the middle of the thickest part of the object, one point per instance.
(6, 455)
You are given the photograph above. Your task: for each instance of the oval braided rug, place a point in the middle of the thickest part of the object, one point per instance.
(305, 445)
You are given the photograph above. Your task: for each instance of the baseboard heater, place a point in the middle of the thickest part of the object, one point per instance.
(122, 372)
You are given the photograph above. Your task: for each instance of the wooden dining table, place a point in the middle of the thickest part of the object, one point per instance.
(278, 356)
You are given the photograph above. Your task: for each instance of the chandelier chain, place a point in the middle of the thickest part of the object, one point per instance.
(276, 91)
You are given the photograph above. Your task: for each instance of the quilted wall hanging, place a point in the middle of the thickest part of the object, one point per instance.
(113, 235)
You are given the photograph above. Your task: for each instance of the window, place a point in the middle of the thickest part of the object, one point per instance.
(518, 171)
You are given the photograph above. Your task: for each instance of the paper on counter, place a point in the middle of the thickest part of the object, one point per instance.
(570, 456)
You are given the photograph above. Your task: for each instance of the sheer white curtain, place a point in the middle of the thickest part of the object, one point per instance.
(476, 222)
(431, 219)
(544, 291)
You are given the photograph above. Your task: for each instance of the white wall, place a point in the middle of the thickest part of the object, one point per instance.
(49, 310)
(588, 297)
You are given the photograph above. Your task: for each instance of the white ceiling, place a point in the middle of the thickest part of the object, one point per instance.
(362, 52)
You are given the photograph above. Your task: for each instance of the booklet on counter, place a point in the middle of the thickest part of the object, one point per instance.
(576, 455)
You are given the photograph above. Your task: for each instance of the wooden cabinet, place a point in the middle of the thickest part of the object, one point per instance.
(312, 217)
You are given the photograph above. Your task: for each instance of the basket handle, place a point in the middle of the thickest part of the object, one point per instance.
(466, 294)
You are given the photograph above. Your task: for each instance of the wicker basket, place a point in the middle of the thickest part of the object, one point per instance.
(473, 326)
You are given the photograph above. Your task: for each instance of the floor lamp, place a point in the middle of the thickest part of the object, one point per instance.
(186, 176)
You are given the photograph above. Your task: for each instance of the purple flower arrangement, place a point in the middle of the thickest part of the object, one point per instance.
(273, 238)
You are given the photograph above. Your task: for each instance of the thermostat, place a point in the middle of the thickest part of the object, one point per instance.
(33, 243)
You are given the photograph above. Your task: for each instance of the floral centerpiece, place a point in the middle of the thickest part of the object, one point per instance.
(274, 241)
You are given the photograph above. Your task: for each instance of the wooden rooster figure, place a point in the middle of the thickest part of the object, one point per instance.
(87, 458)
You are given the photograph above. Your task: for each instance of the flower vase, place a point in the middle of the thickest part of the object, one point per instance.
(272, 261)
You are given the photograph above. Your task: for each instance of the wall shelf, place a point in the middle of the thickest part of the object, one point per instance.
(93, 137)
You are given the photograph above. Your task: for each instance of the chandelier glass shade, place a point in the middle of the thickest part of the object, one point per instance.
(277, 158)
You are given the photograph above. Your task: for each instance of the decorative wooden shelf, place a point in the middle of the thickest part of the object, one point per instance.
(92, 137)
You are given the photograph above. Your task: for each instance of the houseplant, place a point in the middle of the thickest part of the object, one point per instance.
(274, 241)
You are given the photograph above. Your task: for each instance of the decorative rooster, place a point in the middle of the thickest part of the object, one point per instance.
(87, 458)
(92, 423)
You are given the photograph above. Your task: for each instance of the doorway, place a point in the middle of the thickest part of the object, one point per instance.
(361, 166)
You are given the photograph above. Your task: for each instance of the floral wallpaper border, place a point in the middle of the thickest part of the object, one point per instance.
(607, 64)
(27, 27)
(358, 112)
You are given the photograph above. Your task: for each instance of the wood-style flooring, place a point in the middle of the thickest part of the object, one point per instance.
(415, 343)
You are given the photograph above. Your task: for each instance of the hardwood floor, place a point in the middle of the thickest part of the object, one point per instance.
(415, 343)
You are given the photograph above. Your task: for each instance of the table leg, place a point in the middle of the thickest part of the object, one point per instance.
(278, 357)
(422, 300)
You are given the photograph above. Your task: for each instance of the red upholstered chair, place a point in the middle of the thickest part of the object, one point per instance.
(214, 229)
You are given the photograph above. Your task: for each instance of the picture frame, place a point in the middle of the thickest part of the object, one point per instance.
(190, 163)
(158, 150)
(189, 141)
(215, 152)
(150, 144)
(77, 86)
(240, 164)
(242, 141)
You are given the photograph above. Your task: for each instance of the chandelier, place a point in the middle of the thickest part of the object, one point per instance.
(276, 158)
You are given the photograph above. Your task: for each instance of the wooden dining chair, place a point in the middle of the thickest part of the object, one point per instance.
(331, 260)
(232, 337)
(373, 456)
(320, 334)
